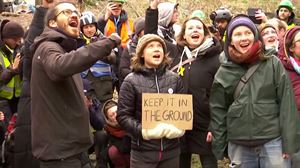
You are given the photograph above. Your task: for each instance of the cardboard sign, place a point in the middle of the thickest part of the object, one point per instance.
(176, 109)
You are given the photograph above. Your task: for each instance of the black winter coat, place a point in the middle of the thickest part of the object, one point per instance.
(22, 149)
(197, 78)
(130, 103)
(127, 54)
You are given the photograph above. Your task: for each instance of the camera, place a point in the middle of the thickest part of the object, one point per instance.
(212, 29)
(251, 13)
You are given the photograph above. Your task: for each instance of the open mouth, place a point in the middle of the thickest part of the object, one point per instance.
(271, 40)
(244, 45)
(195, 36)
(156, 56)
(73, 23)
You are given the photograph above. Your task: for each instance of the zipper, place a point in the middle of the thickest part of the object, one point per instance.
(161, 150)
(161, 140)
(156, 82)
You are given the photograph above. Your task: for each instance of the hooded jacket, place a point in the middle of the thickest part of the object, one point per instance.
(23, 154)
(265, 108)
(117, 135)
(165, 15)
(294, 76)
(60, 119)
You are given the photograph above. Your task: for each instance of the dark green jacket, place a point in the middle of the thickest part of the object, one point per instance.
(265, 108)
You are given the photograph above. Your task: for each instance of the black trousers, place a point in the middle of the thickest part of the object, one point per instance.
(76, 161)
(143, 159)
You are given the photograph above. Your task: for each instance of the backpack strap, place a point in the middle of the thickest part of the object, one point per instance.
(244, 79)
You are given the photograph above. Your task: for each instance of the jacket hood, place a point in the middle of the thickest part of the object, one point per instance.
(283, 52)
(55, 35)
(289, 35)
(165, 13)
(106, 105)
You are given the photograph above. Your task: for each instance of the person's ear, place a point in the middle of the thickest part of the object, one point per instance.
(52, 23)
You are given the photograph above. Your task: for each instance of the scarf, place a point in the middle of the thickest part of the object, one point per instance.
(295, 65)
(117, 132)
(194, 53)
(273, 47)
(252, 55)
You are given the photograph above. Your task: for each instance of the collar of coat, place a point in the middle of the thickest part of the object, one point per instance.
(154, 71)
(56, 35)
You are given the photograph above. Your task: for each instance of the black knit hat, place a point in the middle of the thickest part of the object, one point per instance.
(12, 30)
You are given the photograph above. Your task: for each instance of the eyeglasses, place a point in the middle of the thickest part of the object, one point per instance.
(69, 12)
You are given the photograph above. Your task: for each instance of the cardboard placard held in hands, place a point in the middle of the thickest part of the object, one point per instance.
(176, 109)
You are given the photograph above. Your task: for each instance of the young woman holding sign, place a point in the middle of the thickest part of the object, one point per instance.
(196, 60)
(157, 147)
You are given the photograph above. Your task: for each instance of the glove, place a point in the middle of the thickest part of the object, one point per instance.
(115, 38)
(174, 132)
(158, 132)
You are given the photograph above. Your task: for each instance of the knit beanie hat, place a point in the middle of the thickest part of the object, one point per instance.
(240, 20)
(12, 30)
(139, 25)
(146, 39)
(266, 25)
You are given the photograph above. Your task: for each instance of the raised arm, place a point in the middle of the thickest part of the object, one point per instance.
(151, 19)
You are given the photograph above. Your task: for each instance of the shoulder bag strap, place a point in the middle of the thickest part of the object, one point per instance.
(244, 79)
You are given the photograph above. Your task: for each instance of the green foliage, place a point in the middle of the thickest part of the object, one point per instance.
(90, 2)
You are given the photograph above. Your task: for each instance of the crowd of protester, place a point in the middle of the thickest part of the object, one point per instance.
(58, 79)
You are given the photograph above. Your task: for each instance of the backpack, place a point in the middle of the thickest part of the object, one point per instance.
(7, 148)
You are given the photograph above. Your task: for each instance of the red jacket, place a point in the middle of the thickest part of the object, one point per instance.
(295, 79)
